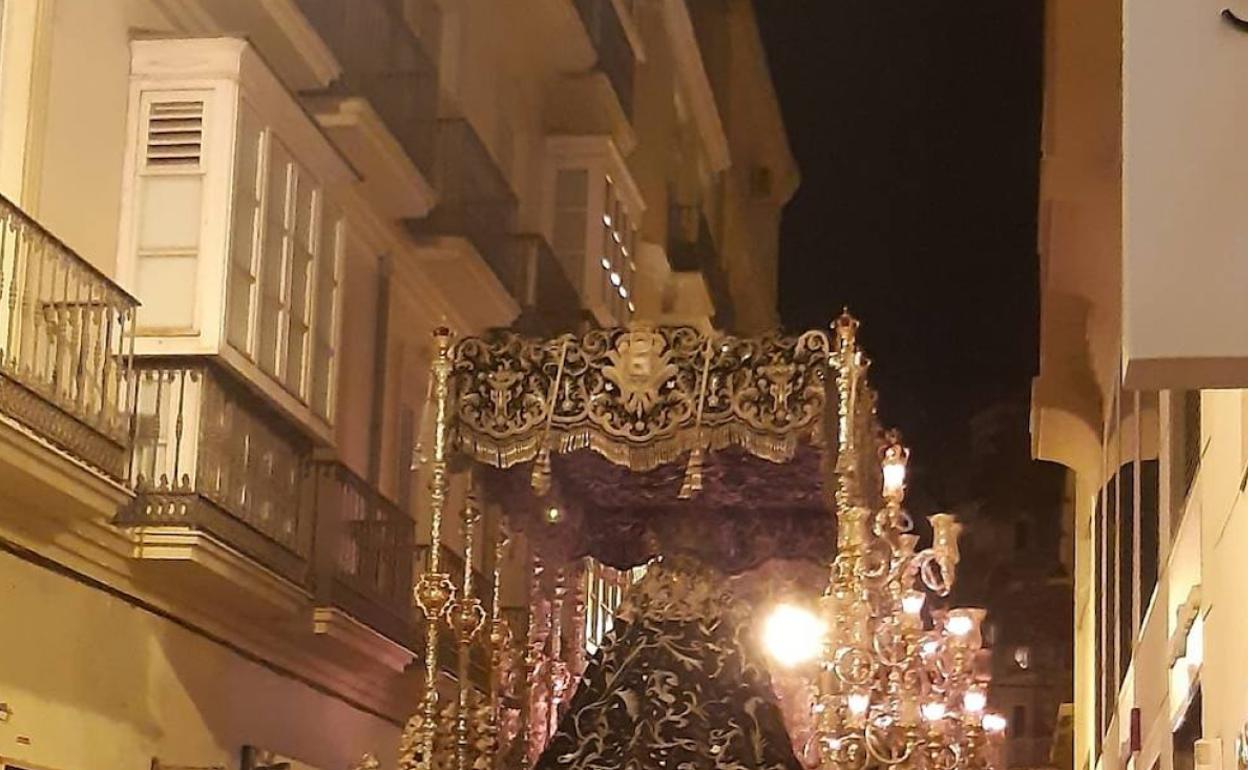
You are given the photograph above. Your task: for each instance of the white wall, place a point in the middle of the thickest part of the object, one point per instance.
(94, 682)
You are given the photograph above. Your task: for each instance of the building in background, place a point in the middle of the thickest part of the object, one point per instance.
(1143, 370)
(228, 229)
(1017, 513)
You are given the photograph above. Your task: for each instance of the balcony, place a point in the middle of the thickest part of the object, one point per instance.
(549, 303)
(616, 57)
(212, 458)
(66, 345)
(365, 552)
(384, 61)
(691, 248)
(466, 241)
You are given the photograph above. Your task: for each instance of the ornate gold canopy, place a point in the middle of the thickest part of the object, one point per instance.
(642, 397)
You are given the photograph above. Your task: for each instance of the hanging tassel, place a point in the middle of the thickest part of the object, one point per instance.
(693, 475)
(541, 472)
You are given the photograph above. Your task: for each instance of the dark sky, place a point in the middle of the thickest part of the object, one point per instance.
(916, 127)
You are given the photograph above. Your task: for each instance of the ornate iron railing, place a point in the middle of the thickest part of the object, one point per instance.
(66, 345)
(615, 54)
(548, 300)
(388, 61)
(210, 455)
(365, 551)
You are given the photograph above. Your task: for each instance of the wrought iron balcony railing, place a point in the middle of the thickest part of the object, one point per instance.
(210, 455)
(387, 62)
(365, 551)
(537, 279)
(691, 248)
(615, 54)
(66, 345)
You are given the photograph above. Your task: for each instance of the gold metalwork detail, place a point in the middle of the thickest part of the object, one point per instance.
(640, 397)
(433, 593)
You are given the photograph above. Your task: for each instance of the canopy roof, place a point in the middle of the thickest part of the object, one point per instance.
(625, 431)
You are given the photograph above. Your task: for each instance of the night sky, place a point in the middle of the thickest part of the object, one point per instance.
(916, 127)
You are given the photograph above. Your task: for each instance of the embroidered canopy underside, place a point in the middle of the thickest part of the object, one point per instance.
(627, 430)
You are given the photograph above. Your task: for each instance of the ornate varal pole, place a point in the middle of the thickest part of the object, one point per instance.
(466, 617)
(500, 638)
(434, 590)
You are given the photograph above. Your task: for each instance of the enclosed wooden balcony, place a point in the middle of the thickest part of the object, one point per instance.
(66, 346)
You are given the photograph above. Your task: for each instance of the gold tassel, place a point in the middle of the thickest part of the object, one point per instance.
(541, 472)
(693, 475)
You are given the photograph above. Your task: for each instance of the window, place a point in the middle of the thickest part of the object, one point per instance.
(170, 189)
(1018, 725)
(1126, 568)
(1187, 734)
(595, 206)
(1185, 461)
(604, 590)
(1022, 657)
(1150, 514)
(285, 255)
(229, 234)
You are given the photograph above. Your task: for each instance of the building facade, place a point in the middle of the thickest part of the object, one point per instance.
(1016, 515)
(228, 230)
(1141, 387)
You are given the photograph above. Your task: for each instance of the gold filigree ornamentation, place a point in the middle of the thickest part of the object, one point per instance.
(640, 397)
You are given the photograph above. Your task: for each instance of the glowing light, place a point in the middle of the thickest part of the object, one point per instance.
(959, 625)
(606, 219)
(994, 723)
(615, 279)
(554, 515)
(974, 701)
(631, 307)
(912, 602)
(894, 478)
(858, 703)
(793, 635)
(933, 711)
(624, 292)
(606, 263)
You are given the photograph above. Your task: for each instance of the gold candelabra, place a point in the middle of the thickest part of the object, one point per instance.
(900, 685)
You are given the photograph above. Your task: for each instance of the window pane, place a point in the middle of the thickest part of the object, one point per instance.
(166, 285)
(171, 212)
(238, 310)
(296, 341)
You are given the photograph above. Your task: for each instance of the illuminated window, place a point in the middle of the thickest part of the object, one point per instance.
(604, 590)
(1022, 656)
(595, 207)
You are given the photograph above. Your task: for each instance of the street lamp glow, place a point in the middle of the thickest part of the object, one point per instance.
(974, 701)
(793, 635)
(994, 723)
(959, 625)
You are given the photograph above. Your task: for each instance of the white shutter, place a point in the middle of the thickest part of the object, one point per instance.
(170, 209)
